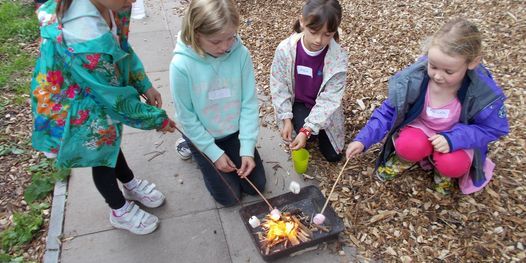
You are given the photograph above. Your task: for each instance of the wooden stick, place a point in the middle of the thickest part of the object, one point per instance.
(333, 186)
(260, 194)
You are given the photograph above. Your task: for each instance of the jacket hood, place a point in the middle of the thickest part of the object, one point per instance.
(185, 50)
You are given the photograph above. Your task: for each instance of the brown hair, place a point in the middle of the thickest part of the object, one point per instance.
(318, 13)
(458, 37)
(207, 17)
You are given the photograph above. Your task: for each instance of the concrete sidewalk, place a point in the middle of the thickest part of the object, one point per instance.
(194, 228)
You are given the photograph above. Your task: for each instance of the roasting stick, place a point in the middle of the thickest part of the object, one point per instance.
(210, 161)
(319, 218)
(260, 194)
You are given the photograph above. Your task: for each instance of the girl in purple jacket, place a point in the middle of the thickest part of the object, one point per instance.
(441, 112)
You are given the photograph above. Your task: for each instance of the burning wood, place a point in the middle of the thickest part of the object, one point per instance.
(288, 230)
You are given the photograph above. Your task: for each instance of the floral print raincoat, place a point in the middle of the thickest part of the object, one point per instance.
(82, 92)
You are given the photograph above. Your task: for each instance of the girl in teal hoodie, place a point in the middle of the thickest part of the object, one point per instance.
(213, 86)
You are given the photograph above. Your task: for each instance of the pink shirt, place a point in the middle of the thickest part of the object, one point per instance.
(433, 120)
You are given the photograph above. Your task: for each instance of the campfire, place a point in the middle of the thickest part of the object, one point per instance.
(286, 231)
(291, 229)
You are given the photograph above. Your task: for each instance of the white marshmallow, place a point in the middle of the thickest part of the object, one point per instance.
(275, 214)
(294, 187)
(254, 221)
(318, 219)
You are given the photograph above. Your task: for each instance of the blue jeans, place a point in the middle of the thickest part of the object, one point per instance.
(229, 195)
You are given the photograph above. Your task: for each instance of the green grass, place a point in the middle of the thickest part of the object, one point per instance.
(19, 28)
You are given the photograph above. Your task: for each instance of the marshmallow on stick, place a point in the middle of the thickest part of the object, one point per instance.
(254, 222)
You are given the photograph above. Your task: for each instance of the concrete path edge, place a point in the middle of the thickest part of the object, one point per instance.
(56, 222)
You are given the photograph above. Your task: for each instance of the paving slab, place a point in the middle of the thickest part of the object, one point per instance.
(191, 238)
(154, 49)
(179, 180)
(155, 19)
(171, 13)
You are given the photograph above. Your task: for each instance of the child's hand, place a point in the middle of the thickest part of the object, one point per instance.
(439, 143)
(168, 126)
(286, 133)
(153, 97)
(247, 165)
(354, 148)
(224, 164)
(299, 142)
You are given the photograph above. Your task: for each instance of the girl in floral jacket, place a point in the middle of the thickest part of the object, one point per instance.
(86, 84)
(307, 80)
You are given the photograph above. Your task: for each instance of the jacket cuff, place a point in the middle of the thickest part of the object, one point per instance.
(286, 115)
(314, 128)
(143, 85)
(213, 152)
(448, 141)
(247, 148)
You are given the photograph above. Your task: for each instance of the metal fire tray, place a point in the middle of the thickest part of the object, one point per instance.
(310, 201)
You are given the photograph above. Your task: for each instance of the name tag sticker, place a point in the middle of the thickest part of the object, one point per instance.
(437, 113)
(219, 94)
(302, 70)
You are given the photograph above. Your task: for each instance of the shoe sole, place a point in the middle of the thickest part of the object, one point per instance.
(184, 157)
(379, 177)
(145, 231)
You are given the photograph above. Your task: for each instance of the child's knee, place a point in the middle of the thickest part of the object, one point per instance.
(453, 165)
(412, 145)
(258, 178)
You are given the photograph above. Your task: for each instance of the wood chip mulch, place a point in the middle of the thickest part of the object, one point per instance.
(16, 124)
(405, 220)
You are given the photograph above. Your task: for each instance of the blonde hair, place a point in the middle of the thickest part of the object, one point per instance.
(207, 17)
(458, 37)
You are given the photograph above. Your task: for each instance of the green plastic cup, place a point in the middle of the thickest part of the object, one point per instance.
(300, 158)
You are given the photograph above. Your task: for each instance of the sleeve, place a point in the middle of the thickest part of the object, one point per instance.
(137, 74)
(327, 101)
(280, 85)
(489, 125)
(249, 116)
(181, 92)
(138, 77)
(122, 103)
(378, 125)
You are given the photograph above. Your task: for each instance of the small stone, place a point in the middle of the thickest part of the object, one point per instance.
(341, 253)
(181, 181)
(520, 246)
(498, 230)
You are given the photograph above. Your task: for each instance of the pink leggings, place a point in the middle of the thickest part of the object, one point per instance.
(413, 145)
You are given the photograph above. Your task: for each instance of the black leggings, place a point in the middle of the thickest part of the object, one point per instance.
(230, 194)
(300, 112)
(105, 179)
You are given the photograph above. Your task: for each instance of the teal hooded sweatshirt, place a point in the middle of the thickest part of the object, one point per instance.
(215, 97)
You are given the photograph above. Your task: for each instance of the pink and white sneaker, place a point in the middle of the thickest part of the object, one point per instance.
(145, 193)
(135, 220)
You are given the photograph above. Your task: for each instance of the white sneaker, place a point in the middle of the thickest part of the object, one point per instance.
(135, 220)
(145, 193)
(182, 148)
